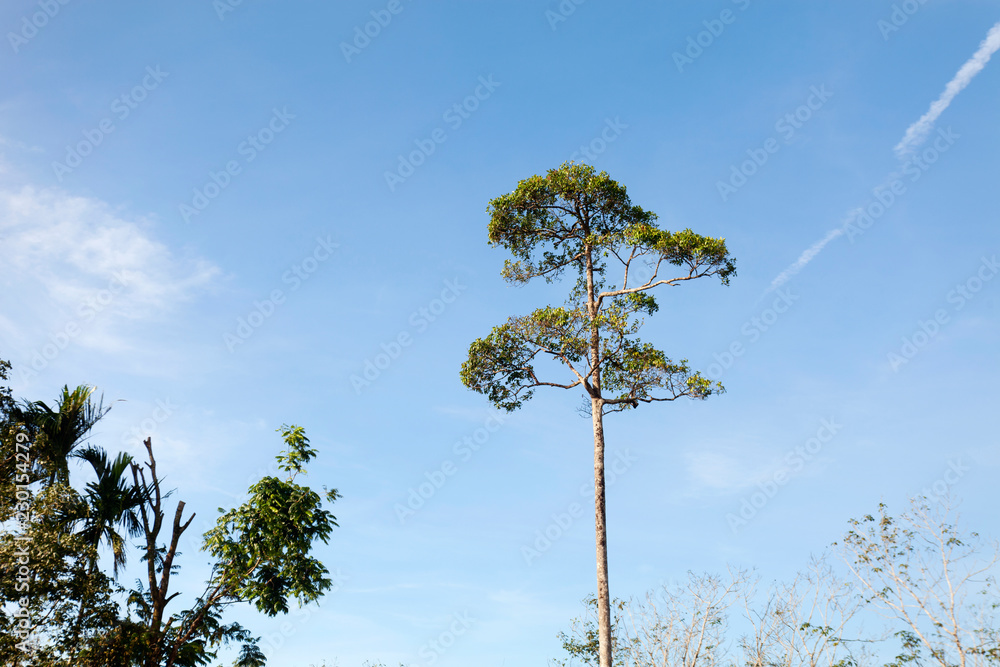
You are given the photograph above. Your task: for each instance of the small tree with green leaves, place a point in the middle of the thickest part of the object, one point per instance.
(263, 556)
(575, 218)
(582, 643)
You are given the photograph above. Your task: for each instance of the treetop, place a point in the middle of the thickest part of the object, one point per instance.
(550, 222)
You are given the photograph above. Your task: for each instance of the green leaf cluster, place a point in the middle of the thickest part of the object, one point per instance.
(576, 218)
(552, 222)
(263, 547)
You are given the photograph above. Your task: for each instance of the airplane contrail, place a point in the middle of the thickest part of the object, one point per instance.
(915, 135)
(804, 259)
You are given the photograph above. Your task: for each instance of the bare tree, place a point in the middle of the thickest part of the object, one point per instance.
(813, 621)
(920, 571)
(685, 627)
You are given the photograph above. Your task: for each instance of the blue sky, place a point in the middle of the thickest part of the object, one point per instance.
(196, 217)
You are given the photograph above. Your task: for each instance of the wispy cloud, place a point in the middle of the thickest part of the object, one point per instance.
(917, 133)
(717, 471)
(75, 260)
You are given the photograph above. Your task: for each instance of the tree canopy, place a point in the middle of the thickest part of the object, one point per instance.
(575, 218)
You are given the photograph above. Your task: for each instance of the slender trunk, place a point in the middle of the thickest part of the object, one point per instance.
(603, 595)
(597, 414)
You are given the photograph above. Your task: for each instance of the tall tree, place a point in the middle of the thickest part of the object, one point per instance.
(574, 218)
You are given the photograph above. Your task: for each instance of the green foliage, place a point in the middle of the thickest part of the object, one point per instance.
(299, 452)
(581, 642)
(576, 218)
(910, 644)
(56, 432)
(71, 597)
(6, 399)
(263, 547)
(69, 601)
(501, 365)
(110, 501)
(197, 648)
(550, 223)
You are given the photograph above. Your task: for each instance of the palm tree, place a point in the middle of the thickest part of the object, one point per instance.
(112, 500)
(109, 502)
(57, 433)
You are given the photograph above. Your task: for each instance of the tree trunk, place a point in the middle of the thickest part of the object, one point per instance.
(597, 414)
(603, 596)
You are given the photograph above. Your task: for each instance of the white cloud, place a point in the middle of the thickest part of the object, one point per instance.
(719, 471)
(73, 263)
